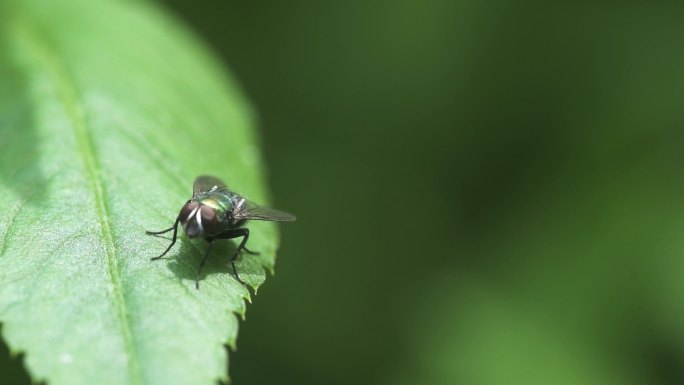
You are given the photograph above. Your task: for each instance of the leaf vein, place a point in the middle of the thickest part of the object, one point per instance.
(68, 94)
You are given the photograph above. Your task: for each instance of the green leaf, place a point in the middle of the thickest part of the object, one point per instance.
(108, 110)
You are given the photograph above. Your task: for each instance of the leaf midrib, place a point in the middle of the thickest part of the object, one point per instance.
(68, 94)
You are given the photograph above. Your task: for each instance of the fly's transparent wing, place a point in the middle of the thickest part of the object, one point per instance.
(206, 183)
(249, 210)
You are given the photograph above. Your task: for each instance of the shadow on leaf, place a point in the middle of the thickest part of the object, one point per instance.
(20, 151)
(185, 262)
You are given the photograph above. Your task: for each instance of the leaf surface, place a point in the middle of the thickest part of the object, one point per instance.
(108, 110)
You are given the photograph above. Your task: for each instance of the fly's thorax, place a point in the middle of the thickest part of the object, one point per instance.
(202, 217)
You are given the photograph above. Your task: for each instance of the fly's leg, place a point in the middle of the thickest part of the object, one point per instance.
(159, 232)
(236, 233)
(173, 240)
(245, 237)
(201, 265)
(250, 252)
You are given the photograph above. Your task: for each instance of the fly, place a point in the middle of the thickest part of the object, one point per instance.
(215, 212)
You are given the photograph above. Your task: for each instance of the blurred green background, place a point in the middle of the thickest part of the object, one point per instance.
(488, 191)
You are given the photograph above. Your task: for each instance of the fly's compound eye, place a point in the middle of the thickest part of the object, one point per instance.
(209, 217)
(187, 211)
(210, 221)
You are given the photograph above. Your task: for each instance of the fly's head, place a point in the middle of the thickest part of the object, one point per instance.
(199, 220)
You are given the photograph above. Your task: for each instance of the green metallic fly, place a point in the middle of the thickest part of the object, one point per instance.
(215, 212)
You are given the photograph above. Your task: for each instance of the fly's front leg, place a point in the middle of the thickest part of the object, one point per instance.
(148, 232)
(173, 240)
